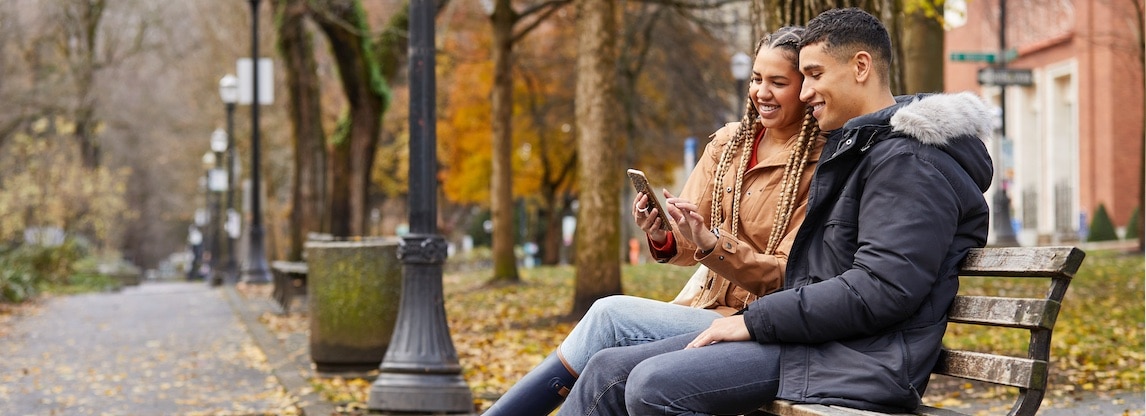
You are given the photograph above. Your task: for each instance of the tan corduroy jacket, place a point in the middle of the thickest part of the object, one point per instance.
(739, 271)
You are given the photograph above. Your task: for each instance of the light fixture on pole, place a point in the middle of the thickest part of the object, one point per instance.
(256, 271)
(229, 92)
(741, 67)
(420, 373)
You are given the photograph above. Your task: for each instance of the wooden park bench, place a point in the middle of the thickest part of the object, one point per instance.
(1029, 374)
(289, 282)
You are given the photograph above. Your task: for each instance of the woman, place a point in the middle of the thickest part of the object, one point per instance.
(737, 216)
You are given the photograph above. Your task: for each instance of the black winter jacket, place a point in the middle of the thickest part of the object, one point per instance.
(895, 204)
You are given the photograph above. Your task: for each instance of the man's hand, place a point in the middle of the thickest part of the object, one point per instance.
(730, 328)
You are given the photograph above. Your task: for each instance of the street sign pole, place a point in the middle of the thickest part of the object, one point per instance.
(1004, 232)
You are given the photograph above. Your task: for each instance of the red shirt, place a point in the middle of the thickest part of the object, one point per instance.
(668, 249)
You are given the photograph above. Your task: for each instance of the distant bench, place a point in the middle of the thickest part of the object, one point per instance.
(289, 282)
(1029, 374)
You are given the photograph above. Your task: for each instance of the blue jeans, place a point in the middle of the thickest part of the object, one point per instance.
(663, 378)
(617, 321)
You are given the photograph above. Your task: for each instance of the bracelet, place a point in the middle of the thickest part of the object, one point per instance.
(716, 232)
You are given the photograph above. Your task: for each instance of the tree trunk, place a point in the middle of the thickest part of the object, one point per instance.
(304, 106)
(368, 95)
(501, 182)
(597, 111)
(84, 25)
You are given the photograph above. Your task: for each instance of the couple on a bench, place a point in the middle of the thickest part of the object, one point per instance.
(829, 259)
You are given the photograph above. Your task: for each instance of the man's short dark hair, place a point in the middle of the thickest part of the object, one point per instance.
(850, 30)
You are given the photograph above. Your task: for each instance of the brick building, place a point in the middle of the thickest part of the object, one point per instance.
(1073, 135)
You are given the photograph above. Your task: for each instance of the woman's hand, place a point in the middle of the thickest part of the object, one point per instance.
(648, 219)
(726, 329)
(690, 222)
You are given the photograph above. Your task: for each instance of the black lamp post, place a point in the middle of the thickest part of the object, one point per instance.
(217, 183)
(420, 373)
(741, 67)
(211, 220)
(229, 92)
(257, 271)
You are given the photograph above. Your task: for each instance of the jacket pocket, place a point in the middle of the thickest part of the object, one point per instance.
(841, 230)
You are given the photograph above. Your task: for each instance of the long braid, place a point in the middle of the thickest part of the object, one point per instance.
(743, 139)
(790, 186)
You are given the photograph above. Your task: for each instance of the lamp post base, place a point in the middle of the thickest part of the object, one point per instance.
(428, 394)
(257, 271)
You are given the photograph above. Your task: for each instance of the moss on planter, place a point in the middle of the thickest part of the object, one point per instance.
(354, 289)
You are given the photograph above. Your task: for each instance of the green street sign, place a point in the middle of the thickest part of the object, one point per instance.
(988, 57)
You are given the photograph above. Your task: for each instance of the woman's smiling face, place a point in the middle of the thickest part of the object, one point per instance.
(775, 89)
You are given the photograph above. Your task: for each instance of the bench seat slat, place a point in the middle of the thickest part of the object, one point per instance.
(1007, 312)
(999, 369)
(787, 408)
(935, 411)
(293, 267)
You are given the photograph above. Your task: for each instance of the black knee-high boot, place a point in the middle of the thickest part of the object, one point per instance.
(538, 393)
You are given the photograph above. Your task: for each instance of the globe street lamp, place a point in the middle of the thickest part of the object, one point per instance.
(420, 373)
(257, 271)
(217, 183)
(741, 66)
(229, 92)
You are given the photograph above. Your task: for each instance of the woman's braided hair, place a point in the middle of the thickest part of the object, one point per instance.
(788, 40)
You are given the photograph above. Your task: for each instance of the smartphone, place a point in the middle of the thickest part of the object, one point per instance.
(641, 184)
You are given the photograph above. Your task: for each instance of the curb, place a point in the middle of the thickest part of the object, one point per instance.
(289, 372)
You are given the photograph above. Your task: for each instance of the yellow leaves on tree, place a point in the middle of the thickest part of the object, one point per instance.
(542, 113)
(44, 184)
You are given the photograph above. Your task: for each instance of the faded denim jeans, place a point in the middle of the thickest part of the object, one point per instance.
(620, 320)
(663, 378)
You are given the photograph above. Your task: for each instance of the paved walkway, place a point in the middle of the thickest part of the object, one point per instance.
(155, 349)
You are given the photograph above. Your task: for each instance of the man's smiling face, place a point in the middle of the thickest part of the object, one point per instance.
(829, 87)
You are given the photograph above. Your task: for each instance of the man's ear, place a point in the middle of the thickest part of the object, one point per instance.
(862, 65)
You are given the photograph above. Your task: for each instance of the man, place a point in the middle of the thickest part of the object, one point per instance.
(895, 204)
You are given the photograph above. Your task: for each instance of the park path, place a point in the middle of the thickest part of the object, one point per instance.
(160, 348)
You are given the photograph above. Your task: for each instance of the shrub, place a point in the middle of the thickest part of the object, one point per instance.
(50, 264)
(28, 268)
(1132, 225)
(17, 282)
(1101, 229)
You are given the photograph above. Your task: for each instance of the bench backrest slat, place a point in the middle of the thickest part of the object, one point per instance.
(1022, 262)
(1006, 312)
(999, 369)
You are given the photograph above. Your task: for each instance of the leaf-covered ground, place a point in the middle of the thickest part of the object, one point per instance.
(501, 332)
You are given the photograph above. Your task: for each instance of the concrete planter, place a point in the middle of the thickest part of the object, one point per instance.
(354, 288)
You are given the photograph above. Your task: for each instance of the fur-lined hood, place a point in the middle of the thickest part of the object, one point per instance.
(959, 124)
(937, 119)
